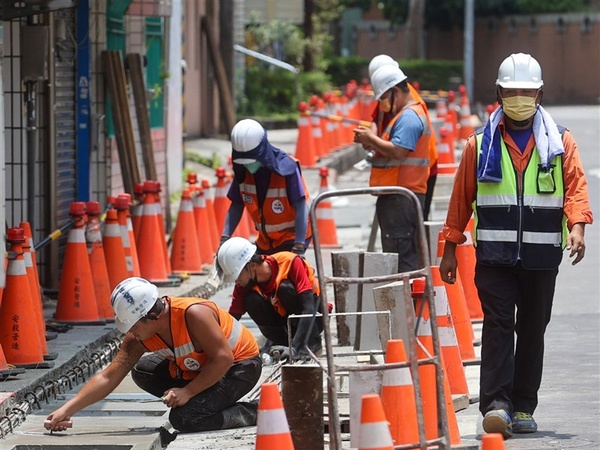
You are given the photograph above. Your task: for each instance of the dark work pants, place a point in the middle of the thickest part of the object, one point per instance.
(429, 196)
(398, 223)
(212, 409)
(510, 376)
(274, 326)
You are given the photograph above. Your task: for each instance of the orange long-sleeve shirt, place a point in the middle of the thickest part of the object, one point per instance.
(576, 200)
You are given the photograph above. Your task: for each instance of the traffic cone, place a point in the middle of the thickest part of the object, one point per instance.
(374, 431)
(185, 251)
(210, 208)
(398, 396)
(114, 253)
(205, 244)
(466, 127)
(492, 441)
(452, 119)
(441, 107)
(460, 314)
(19, 334)
(272, 429)
(221, 202)
(161, 225)
(305, 146)
(465, 256)
(76, 297)
(151, 238)
(324, 213)
(121, 205)
(318, 107)
(95, 249)
(427, 372)
(317, 134)
(446, 162)
(455, 371)
(36, 294)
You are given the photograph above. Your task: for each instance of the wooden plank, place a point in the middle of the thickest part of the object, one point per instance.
(223, 82)
(134, 66)
(110, 73)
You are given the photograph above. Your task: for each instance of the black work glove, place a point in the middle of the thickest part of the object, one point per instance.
(280, 352)
(298, 248)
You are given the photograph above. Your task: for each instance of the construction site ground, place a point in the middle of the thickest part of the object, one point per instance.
(569, 400)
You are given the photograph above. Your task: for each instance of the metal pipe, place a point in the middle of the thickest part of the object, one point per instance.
(32, 144)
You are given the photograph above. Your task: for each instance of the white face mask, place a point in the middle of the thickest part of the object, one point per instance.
(519, 107)
(253, 167)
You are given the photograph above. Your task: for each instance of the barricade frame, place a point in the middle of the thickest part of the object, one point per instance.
(443, 440)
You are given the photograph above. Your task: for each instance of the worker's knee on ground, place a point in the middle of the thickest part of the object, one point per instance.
(287, 292)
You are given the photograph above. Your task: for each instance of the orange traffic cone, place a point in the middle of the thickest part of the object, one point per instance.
(185, 251)
(19, 335)
(465, 256)
(398, 396)
(114, 253)
(122, 204)
(446, 162)
(205, 244)
(492, 441)
(324, 213)
(161, 226)
(374, 428)
(36, 294)
(427, 372)
(210, 207)
(466, 127)
(451, 122)
(272, 429)
(318, 107)
(151, 238)
(317, 134)
(460, 314)
(76, 297)
(305, 146)
(455, 371)
(441, 107)
(221, 202)
(95, 249)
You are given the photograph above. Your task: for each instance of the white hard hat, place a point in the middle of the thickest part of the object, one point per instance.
(385, 78)
(233, 256)
(520, 71)
(245, 136)
(379, 61)
(131, 300)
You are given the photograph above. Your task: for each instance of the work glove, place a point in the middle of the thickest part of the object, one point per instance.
(280, 353)
(298, 248)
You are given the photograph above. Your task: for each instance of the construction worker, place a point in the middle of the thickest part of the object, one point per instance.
(203, 360)
(270, 288)
(380, 121)
(522, 177)
(269, 184)
(401, 158)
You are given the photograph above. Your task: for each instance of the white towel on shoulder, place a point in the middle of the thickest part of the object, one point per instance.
(547, 138)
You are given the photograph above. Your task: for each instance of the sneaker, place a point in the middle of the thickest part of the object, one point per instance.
(498, 421)
(524, 423)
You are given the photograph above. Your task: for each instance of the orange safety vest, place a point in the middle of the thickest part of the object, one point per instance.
(284, 262)
(412, 171)
(185, 361)
(275, 220)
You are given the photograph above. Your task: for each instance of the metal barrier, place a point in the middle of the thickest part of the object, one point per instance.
(443, 440)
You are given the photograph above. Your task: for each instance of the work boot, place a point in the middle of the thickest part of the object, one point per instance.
(242, 414)
(498, 421)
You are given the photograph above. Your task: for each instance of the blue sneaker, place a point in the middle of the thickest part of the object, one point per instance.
(524, 423)
(498, 421)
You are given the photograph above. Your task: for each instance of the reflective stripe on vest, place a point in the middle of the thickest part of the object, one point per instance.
(529, 225)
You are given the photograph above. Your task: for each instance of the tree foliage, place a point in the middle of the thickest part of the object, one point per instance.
(444, 14)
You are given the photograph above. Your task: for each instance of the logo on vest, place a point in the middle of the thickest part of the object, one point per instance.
(277, 207)
(247, 199)
(191, 364)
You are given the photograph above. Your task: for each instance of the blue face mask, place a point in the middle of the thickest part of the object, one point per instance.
(253, 167)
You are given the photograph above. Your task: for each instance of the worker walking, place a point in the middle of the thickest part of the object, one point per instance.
(269, 183)
(271, 288)
(522, 177)
(203, 360)
(401, 158)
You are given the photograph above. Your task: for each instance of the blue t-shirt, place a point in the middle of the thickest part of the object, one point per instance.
(407, 130)
(521, 137)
